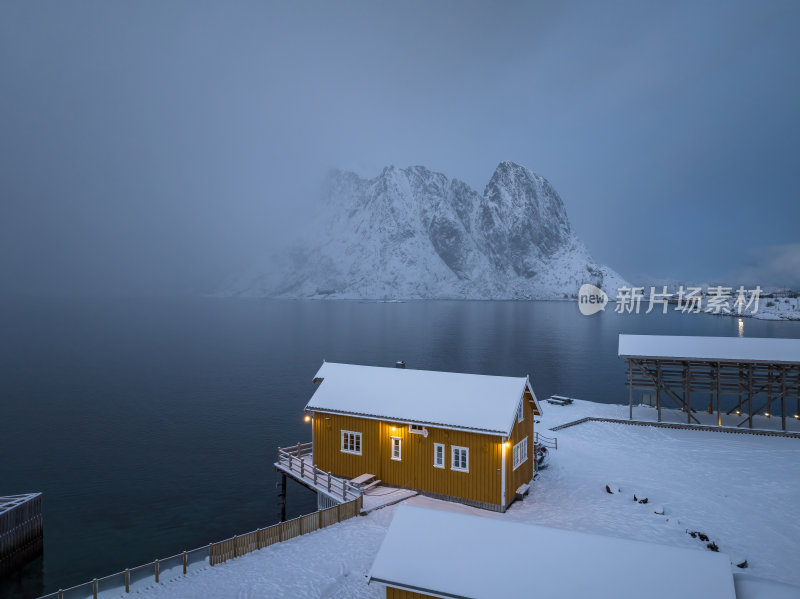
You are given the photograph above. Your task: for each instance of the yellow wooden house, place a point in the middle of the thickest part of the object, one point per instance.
(461, 437)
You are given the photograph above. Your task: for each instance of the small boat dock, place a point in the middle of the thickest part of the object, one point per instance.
(297, 462)
(20, 529)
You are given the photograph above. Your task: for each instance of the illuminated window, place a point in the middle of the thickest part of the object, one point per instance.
(396, 441)
(520, 452)
(351, 442)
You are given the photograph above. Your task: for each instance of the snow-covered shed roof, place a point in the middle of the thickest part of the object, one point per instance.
(471, 402)
(711, 349)
(478, 557)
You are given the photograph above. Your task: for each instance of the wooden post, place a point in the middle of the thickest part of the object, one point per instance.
(658, 389)
(630, 390)
(688, 383)
(329, 482)
(750, 394)
(315, 476)
(298, 449)
(184, 562)
(302, 468)
(61, 594)
(783, 400)
(127, 580)
(719, 412)
(344, 491)
(94, 588)
(282, 497)
(739, 388)
(710, 392)
(157, 570)
(769, 393)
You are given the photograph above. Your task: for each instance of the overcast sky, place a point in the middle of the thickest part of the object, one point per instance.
(156, 147)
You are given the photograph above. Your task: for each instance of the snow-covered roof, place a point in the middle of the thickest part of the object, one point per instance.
(714, 349)
(471, 402)
(9, 502)
(480, 557)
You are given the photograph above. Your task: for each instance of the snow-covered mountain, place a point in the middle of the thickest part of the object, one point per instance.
(413, 233)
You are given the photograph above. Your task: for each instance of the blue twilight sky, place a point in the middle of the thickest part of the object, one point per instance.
(156, 147)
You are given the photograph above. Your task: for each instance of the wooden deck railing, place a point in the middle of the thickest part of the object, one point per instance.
(551, 442)
(161, 570)
(298, 461)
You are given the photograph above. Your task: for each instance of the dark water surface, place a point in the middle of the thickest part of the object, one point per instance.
(151, 425)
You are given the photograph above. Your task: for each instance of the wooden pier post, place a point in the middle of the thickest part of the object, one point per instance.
(750, 395)
(630, 390)
(282, 497)
(783, 400)
(658, 390)
(719, 409)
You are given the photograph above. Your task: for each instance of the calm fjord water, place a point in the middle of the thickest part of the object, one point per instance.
(151, 425)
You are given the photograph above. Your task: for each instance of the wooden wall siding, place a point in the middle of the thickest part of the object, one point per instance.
(523, 474)
(327, 445)
(393, 593)
(415, 470)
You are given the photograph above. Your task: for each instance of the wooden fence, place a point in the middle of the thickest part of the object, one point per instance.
(161, 570)
(264, 537)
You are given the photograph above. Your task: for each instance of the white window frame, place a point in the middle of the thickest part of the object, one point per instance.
(436, 447)
(399, 457)
(416, 429)
(521, 411)
(454, 461)
(345, 447)
(520, 453)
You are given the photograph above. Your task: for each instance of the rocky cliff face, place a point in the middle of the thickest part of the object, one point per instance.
(413, 233)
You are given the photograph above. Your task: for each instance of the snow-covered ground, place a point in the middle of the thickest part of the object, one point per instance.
(742, 491)
(779, 308)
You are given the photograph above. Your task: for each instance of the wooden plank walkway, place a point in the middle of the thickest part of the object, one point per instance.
(297, 462)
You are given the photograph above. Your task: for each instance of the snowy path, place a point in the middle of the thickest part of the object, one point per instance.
(331, 563)
(741, 490)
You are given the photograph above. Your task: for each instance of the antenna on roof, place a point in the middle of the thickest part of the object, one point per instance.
(400, 364)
